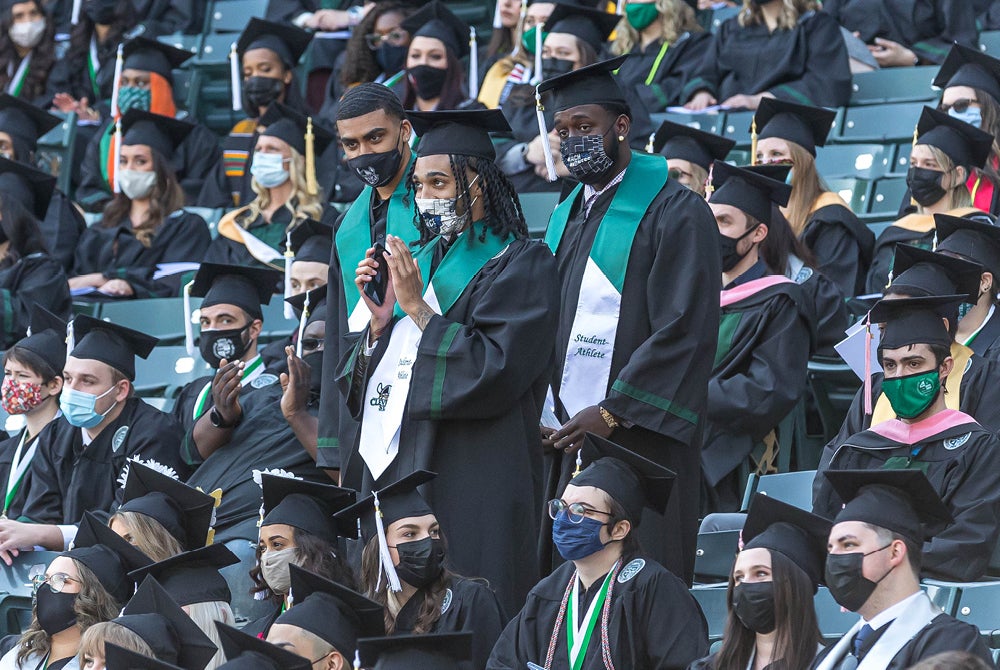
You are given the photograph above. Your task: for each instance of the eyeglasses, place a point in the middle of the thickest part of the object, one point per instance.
(312, 343)
(677, 173)
(57, 582)
(575, 512)
(396, 38)
(959, 105)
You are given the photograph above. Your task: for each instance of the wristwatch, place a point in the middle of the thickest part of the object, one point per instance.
(217, 421)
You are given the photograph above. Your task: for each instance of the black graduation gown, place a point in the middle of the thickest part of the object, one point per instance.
(842, 245)
(117, 254)
(666, 337)
(829, 315)
(62, 226)
(261, 626)
(491, 356)
(274, 354)
(71, 75)
(162, 17)
(962, 462)
(987, 341)
(7, 449)
(927, 27)
(807, 64)
(662, 89)
(230, 252)
(885, 251)
(708, 663)
(654, 623)
(183, 411)
(37, 278)
(69, 478)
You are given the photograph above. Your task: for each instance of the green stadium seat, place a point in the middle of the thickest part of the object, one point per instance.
(184, 85)
(989, 42)
(794, 488)
(879, 123)
(720, 16)
(855, 192)
(712, 600)
(232, 16)
(276, 326)
(55, 150)
(167, 370)
(879, 227)
(159, 317)
(738, 157)
(943, 594)
(863, 161)
(901, 162)
(212, 215)
(181, 41)
(979, 604)
(887, 195)
(833, 385)
(833, 621)
(710, 123)
(737, 128)
(898, 84)
(163, 404)
(214, 51)
(713, 559)
(15, 589)
(537, 208)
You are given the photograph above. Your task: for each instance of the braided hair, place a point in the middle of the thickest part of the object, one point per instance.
(367, 98)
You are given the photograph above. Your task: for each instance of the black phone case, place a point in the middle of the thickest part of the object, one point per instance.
(375, 289)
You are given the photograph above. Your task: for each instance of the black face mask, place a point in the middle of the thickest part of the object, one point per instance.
(553, 67)
(586, 158)
(315, 362)
(260, 92)
(101, 12)
(377, 169)
(730, 256)
(420, 561)
(55, 611)
(391, 58)
(753, 604)
(925, 185)
(218, 344)
(427, 80)
(848, 586)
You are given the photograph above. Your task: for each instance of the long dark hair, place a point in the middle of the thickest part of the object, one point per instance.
(311, 553)
(781, 243)
(21, 228)
(359, 60)
(452, 93)
(43, 56)
(79, 37)
(797, 633)
(166, 198)
(990, 108)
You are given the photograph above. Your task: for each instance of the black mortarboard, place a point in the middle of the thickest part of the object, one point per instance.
(902, 501)
(437, 21)
(48, 337)
(590, 85)
(674, 140)
(919, 273)
(806, 126)
(287, 124)
(796, 534)
(142, 53)
(973, 240)
(317, 301)
(963, 143)
(633, 481)
(593, 26)
(334, 613)
(107, 555)
(284, 39)
(119, 658)
(110, 343)
(246, 652)
(970, 67)
(184, 511)
(161, 133)
(25, 122)
(241, 285)
(750, 190)
(193, 576)
(439, 651)
(308, 506)
(312, 241)
(465, 133)
(33, 188)
(398, 500)
(914, 320)
(161, 623)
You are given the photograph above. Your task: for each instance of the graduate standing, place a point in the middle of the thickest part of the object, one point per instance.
(638, 258)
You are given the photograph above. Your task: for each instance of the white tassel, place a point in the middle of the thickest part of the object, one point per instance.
(70, 338)
(536, 78)
(234, 78)
(118, 155)
(473, 64)
(649, 145)
(383, 551)
(497, 20)
(302, 326)
(289, 259)
(620, 9)
(116, 86)
(76, 12)
(357, 660)
(543, 133)
(520, 23)
(188, 328)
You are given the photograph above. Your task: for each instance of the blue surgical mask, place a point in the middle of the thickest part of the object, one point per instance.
(576, 540)
(268, 169)
(78, 407)
(972, 115)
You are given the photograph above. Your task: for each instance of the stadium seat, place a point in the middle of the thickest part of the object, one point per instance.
(901, 162)
(794, 488)
(710, 123)
(979, 604)
(15, 589)
(878, 227)
(160, 317)
(276, 325)
(55, 149)
(214, 51)
(714, 556)
(833, 385)
(738, 157)
(861, 161)
(737, 128)
(989, 42)
(880, 123)
(833, 621)
(720, 16)
(167, 370)
(537, 208)
(855, 192)
(898, 84)
(181, 41)
(712, 600)
(232, 16)
(887, 195)
(245, 608)
(212, 215)
(162, 404)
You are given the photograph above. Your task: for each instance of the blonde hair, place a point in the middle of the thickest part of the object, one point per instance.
(205, 615)
(806, 187)
(149, 536)
(791, 12)
(958, 195)
(676, 18)
(699, 176)
(94, 638)
(302, 204)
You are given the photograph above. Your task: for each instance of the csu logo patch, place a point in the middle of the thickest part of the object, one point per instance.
(925, 386)
(446, 603)
(631, 570)
(119, 438)
(956, 442)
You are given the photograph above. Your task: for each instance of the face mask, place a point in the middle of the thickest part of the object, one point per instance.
(640, 16)
(78, 407)
(27, 34)
(136, 184)
(55, 611)
(925, 185)
(19, 398)
(218, 344)
(101, 12)
(260, 92)
(965, 308)
(576, 540)
(268, 169)
(730, 256)
(528, 39)
(440, 214)
(973, 115)
(553, 67)
(586, 158)
(848, 586)
(911, 395)
(753, 604)
(391, 58)
(133, 97)
(420, 561)
(377, 169)
(315, 363)
(274, 568)
(427, 80)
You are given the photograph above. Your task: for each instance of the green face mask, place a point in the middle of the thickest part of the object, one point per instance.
(641, 15)
(528, 39)
(911, 395)
(133, 97)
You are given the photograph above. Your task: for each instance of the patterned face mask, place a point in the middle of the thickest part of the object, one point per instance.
(133, 97)
(20, 398)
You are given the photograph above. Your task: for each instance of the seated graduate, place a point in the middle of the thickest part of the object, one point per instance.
(435, 77)
(404, 568)
(788, 133)
(690, 153)
(765, 336)
(771, 620)
(640, 615)
(302, 384)
(874, 567)
(326, 621)
(516, 66)
(945, 151)
(296, 528)
(143, 227)
(441, 651)
(32, 382)
(959, 457)
(248, 652)
(27, 51)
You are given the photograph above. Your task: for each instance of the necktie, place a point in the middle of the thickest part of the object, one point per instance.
(859, 641)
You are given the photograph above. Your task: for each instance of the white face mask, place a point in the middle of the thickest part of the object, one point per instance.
(268, 169)
(27, 34)
(136, 184)
(440, 216)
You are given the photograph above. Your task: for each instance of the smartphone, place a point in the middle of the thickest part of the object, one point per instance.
(376, 288)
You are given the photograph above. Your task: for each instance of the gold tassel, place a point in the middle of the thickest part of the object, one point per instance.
(311, 184)
(753, 140)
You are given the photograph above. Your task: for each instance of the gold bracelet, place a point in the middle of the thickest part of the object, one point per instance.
(608, 418)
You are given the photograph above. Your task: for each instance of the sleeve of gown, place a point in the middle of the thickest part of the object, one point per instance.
(956, 20)
(187, 245)
(511, 652)
(44, 500)
(827, 78)
(479, 369)
(42, 281)
(216, 191)
(839, 258)
(331, 400)
(825, 503)
(173, 16)
(285, 10)
(62, 227)
(677, 638)
(665, 88)
(831, 318)
(878, 273)
(202, 158)
(92, 193)
(485, 619)
(705, 76)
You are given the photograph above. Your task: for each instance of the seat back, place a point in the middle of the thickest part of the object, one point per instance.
(833, 385)
(855, 192)
(232, 16)
(881, 123)
(167, 368)
(712, 600)
(55, 151)
(794, 488)
(537, 208)
(887, 196)
(162, 318)
(714, 556)
(860, 161)
(709, 122)
(979, 604)
(898, 84)
(833, 621)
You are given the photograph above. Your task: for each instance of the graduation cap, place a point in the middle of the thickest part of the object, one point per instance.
(590, 85)
(244, 286)
(973, 240)
(439, 651)
(970, 67)
(917, 273)
(964, 144)
(142, 53)
(796, 534)
(299, 132)
(25, 123)
(308, 307)
(674, 140)
(184, 511)
(161, 623)
(311, 241)
(110, 343)
(107, 555)
(160, 133)
(593, 26)
(633, 481)
(47, 338)
(806, 126)
(284, 39)
(193, 576)
(334, 613)
(751, 190)
(465, 133)
(901, 501)
(437, 21)
(308, 506)
(915, 320)
(246, 652)
(33, 188)
(120, 658)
